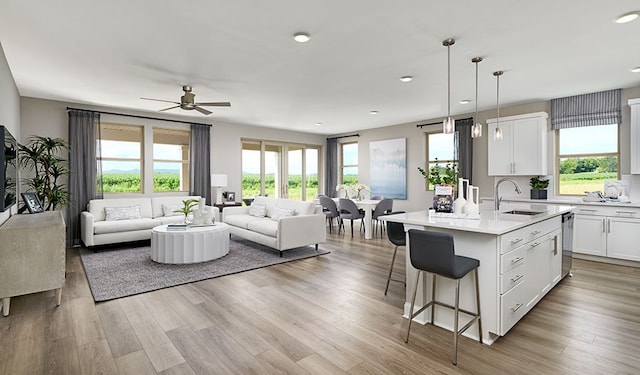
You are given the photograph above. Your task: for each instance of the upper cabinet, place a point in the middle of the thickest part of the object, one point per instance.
(523, 149)
(635, 133)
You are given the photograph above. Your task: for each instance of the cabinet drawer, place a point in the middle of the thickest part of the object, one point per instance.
(512, 307)
(519, 237)
(511, 278)
(512, 259)
(630, 212)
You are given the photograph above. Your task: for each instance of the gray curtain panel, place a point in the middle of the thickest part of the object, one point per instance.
(331, 177)
(84, 126)
(597, 108)
(200, 175)
(463, 148)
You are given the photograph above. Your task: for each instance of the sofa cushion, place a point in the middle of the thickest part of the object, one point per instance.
(122, 213)
(157, 202)
(301, 207)
(170, 209)
(264, 226)
(116, 226)
(267, 201)
(282, 212)
(241, 221)
(96, 206)
(258, 210)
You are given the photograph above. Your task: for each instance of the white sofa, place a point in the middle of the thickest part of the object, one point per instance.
(305, 227)
(96, 230)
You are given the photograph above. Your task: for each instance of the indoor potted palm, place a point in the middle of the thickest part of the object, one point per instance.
(538, 188)
(44, 158)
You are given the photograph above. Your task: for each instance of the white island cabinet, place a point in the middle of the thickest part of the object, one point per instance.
(520, 261)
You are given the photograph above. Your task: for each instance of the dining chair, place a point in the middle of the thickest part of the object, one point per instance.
(330, 210)
(349, 211)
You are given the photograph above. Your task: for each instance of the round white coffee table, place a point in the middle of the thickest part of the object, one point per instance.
(193, 245)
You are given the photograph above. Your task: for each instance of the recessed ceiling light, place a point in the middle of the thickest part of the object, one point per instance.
(318, 124)
(627, 17)
(636, 69)
(465, 101)
(301, 37)
(373, 112)
(406, 78)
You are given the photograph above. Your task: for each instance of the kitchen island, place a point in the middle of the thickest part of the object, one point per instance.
(520, 261)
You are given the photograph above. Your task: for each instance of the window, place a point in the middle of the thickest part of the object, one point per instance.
(349, 163)
(124, 156)
(170, 160)
(440, 152)
(277, 169)
(120, 153)
(587, 156)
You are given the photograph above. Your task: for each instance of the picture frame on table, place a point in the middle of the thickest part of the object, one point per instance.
(230, 196)
(32, 203)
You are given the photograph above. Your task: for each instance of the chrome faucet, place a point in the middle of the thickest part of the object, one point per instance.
(497, 198)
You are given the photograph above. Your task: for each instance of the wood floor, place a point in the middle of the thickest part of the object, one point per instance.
(324, 315)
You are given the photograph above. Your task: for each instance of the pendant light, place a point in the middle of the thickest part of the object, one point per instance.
(476, 129)
(498, 133)
(449, 124)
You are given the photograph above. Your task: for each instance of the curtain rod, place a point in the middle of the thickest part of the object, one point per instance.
(440, 123)
(137, 116)
(345, 136)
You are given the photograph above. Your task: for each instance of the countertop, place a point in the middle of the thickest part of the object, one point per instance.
(569, 201)
(489, 222)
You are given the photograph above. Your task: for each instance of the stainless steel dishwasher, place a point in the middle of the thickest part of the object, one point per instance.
(567, 243)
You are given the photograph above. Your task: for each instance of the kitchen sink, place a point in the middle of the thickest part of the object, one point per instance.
(523, 212)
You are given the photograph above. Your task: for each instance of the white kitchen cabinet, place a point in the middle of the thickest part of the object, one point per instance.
(634, 104)
(523, 149)
(612, 232)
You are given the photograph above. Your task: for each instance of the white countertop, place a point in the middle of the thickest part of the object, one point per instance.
(490, 222)
(569, 201)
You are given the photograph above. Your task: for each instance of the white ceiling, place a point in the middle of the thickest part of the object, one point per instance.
(111, 53)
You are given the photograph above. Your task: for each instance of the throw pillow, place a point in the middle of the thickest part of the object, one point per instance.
(170, 209)
(258, 210)
(122, 213)
(282, 212)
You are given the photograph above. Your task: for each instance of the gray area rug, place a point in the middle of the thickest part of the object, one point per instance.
(116, 273)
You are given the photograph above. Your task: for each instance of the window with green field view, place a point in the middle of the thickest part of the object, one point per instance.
(349, 163)
(587, 157)
(170, 160)
(280, 170)
(119, 157)
(440, 154)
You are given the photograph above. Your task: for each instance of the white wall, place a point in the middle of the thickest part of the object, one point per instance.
(9, 111)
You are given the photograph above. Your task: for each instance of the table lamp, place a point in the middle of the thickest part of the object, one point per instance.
(219, 181)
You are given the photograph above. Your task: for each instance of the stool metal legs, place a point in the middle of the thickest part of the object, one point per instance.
(455, 307)
(393, 261)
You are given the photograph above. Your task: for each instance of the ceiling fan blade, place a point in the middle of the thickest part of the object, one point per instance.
(166, 109)
(201, 110)
(216, 104)
(161, 100)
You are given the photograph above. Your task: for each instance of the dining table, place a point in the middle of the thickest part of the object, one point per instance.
(368, 205)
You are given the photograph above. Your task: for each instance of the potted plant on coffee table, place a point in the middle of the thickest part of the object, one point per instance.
(538, 187)
(187, 209)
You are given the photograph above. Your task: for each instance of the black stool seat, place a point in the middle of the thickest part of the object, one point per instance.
(434, 252)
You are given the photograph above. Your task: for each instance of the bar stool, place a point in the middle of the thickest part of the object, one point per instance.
(434, 252)
(395, 232)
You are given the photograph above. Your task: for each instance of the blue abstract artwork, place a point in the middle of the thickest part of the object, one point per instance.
(388, 161)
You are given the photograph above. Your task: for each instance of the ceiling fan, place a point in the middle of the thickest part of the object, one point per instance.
(187, 102)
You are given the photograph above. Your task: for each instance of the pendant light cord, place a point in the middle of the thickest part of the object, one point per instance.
(448, 80)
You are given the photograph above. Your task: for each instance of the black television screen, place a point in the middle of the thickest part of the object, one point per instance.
(9, 171)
